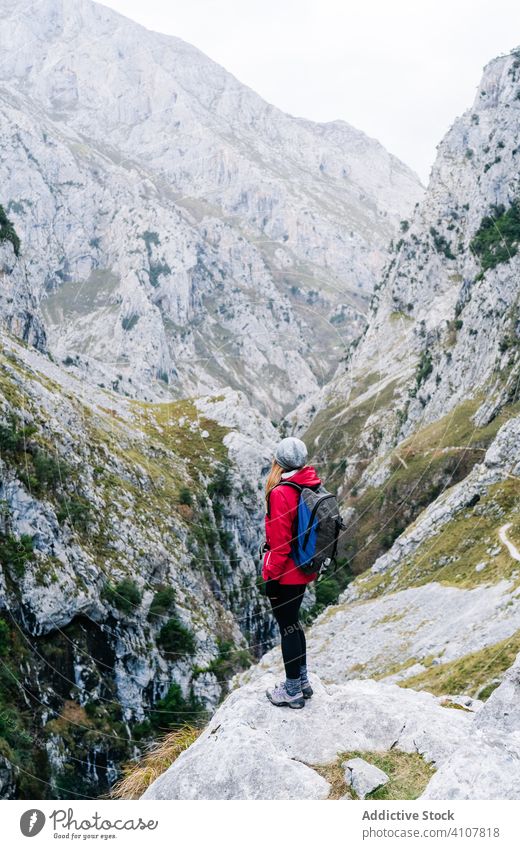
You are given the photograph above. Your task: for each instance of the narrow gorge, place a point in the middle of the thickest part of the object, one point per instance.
(187, 274)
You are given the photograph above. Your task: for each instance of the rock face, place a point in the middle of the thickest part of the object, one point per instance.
(488, 767)
(445, 300)
(358, 715)
(127, 541)
(207, 225)
(418, 400)
(253, 751)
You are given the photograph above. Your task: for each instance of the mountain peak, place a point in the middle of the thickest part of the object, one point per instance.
(186, 170)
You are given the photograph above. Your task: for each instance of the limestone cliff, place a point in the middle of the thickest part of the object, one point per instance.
(174, 225)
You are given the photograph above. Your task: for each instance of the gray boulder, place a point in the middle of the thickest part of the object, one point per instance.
(237, 763)
(363, 777)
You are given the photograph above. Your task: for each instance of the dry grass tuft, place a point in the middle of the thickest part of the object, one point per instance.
(138, 777)
(335, 775)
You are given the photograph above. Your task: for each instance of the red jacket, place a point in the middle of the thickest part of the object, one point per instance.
(283, 503)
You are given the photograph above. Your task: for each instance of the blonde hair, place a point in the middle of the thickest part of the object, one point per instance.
(273, 479)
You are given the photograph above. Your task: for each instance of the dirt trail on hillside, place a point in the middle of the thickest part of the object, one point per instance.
(511, 547)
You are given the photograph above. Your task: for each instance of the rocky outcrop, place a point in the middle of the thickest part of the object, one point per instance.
(487, 766)
(359, 715)
(19, 302)
(363, 777)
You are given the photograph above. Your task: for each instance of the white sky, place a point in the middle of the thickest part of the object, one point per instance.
(399, 70)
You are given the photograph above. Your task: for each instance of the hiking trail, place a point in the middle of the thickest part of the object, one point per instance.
(511, 547)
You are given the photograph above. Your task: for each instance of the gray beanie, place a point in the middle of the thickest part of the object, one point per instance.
(291, 453)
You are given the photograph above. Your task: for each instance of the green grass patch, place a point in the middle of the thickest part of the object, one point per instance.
(75, 509)
(185, 496)
(408, 774)
(177, 426)
(16, 552)
(372, 584)
(472, 675)
(162, 602)
(422, 467)
(450, 557)
(399, 315)
(394, 668)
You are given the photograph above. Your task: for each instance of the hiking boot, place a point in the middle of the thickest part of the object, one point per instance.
(307, 691)
(279, 697)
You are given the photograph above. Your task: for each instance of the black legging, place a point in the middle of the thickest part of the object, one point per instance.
(286, 607)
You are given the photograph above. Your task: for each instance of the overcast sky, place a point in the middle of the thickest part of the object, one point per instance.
(400, 70)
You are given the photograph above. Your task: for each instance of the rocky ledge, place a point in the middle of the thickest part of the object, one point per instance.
(253, 751)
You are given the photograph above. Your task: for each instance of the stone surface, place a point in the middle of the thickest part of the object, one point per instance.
(238, 763)
(215, 239)
(403, 629)
(363, 777)
(487, 764)
(358, 715)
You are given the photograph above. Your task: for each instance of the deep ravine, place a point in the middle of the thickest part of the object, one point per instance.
(164, 322)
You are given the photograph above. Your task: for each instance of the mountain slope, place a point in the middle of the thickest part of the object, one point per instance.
(207, 223)
(443, 690)
(127, 590)
(415, 405)
(420, 430)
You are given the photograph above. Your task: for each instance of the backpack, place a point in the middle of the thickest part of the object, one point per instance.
(316, 528)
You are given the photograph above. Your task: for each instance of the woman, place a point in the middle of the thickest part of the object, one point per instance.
(284, 582)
